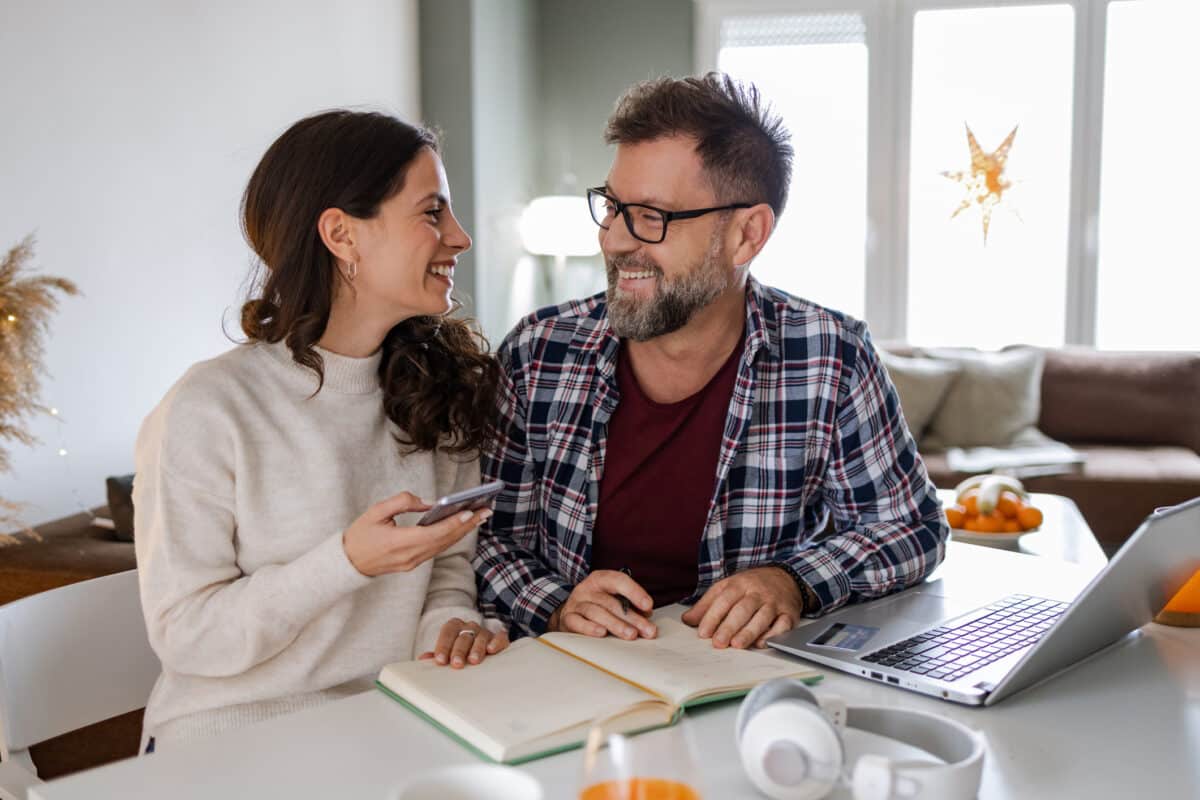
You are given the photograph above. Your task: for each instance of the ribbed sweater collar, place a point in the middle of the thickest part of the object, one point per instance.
(343, 374)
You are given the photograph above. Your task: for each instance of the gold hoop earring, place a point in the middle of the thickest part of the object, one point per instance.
(352, 271)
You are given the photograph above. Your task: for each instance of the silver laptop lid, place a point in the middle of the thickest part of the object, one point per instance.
(1153, 564)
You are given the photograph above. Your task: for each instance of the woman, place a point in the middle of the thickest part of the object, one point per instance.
(265, 585)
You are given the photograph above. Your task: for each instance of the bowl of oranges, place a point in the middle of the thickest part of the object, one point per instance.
(992, 509)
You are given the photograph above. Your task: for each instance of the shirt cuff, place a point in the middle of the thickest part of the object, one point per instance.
(536, 602)
(822, 581)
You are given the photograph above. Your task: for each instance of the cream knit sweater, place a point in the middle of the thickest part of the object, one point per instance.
(245, 483)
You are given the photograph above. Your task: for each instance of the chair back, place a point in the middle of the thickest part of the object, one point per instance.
(71, 657)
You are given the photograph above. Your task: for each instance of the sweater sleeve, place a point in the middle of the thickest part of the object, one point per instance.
(451, 591)
(203, 616)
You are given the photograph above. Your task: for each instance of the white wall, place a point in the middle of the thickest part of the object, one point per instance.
(128, 130)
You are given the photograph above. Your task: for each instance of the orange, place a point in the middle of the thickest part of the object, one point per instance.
(970, 501)
(990, 523)
(1029, 517)
(955, 515)
(971, 524)
(640, 789)
(1012, 526)
(1009, 504)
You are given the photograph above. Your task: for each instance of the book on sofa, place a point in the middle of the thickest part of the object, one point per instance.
(540, 696)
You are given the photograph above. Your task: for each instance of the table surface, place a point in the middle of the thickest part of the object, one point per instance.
(1064, 533)
(1114, 726)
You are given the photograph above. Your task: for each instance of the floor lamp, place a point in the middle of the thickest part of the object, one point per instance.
(559, 226)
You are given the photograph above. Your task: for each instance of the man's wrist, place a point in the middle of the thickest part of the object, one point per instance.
(552, 621)
(809, 602)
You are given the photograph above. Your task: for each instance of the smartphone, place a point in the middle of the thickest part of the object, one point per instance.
(466, 500)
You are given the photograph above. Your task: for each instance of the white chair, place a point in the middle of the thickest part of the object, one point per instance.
(69, 657)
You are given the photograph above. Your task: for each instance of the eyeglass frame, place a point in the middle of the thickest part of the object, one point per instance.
(668, 216)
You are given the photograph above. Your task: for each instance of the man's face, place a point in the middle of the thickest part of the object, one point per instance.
(655, 289)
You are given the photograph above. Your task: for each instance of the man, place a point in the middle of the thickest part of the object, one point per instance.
(690, 435)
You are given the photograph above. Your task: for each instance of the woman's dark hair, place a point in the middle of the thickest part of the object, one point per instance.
(438, 379)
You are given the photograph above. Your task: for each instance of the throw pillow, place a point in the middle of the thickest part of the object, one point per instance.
(922, 384)
(994, 402)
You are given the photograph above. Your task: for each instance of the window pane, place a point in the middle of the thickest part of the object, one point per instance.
(992, 70)
(814, 70)
(1149, 273)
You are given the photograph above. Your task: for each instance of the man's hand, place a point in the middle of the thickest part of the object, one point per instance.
(748, 608)
(594, 608)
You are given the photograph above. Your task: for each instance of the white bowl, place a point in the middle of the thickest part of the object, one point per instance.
(472, 782)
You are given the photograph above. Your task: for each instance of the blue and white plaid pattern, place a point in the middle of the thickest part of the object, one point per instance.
(817, 472)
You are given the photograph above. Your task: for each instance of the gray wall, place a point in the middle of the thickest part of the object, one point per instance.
(522, 90)
(591, 53)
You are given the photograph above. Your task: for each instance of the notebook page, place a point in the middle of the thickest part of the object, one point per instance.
(678, 664)
(525, 693)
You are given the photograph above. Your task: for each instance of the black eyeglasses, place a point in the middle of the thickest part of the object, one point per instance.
(645, 223)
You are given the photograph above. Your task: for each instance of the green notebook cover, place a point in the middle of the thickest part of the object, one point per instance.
(702, 701)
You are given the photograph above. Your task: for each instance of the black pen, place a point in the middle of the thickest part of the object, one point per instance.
(625, 604)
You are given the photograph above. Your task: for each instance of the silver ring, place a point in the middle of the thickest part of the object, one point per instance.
(466, 632)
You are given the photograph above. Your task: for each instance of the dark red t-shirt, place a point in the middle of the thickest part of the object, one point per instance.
(660, 472)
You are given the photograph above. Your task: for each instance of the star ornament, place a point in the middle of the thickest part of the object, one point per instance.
(985, 183)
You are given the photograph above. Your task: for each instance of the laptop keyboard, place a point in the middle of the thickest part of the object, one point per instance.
(974, 641)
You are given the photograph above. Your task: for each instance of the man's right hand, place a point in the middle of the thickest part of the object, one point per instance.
(594, 608)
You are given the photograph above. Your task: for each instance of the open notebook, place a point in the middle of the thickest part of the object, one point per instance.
(541, 695)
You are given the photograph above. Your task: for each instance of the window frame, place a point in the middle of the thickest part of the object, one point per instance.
(889, 37)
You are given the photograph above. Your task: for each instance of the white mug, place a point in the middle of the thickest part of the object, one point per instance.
(472, 782)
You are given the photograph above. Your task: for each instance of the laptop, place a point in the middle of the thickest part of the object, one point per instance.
(917, 640)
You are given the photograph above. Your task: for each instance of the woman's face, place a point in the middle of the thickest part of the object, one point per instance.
(407, 252)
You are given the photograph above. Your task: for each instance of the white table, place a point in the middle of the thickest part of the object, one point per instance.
(1064, 533)
(1123, 724)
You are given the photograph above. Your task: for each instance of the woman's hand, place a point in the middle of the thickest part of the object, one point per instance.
(461, 643)
(376, 545)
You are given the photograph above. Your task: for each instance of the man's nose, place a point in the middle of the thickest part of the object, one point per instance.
(617, 240)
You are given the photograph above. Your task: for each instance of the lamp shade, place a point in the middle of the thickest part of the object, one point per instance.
(559, 225)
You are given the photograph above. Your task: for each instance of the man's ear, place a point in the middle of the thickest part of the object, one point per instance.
(336, 228)
(749, 232)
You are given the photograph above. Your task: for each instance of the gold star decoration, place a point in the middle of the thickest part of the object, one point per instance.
(985, 182)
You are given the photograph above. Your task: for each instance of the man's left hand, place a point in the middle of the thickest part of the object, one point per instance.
(748, 608)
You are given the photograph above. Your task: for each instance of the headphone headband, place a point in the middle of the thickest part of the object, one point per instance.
(958, 746)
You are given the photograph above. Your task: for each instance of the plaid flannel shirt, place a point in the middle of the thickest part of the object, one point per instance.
(817, 471)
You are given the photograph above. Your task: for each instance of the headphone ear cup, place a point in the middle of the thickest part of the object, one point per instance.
(874, 778)
(767, 693)
(790, 751)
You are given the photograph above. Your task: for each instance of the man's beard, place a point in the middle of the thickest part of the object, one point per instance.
(675, 301)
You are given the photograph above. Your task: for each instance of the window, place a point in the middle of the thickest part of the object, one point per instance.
(1148, 279)
(814, 69)
(1090, 241)
(971, 285)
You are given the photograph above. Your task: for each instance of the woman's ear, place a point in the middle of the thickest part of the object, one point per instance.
(750, 231)
(336, 229)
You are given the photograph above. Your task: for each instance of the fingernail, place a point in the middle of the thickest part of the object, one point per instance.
(485, 515)
(458, 662)
(441, 659)
(466, 516)
(474, 659)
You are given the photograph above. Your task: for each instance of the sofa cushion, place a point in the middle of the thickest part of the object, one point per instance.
(1110, 397)
(994, 401)
(922, 384)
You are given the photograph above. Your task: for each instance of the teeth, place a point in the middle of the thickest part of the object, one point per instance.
(632, 276)
(444, 271)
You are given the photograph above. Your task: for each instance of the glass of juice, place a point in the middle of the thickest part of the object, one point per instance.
(658, 765)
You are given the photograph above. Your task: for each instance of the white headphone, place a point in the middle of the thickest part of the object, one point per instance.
(791, 748)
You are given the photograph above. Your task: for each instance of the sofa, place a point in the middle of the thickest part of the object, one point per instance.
(1134, 417)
